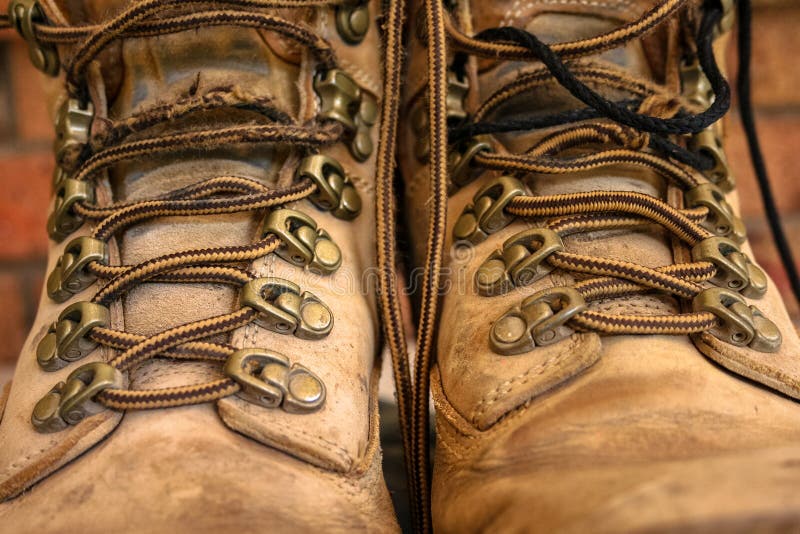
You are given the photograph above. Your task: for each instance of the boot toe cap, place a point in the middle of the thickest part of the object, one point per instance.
(185, 472)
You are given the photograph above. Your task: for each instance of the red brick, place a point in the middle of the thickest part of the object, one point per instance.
(34, 280)
(25, 184)
(780, 140)
(13, 327)
(32, 120)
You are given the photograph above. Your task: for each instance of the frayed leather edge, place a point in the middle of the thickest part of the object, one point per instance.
(573, 359)
(446, 410)
(716, 351)
(374, 438)
(239, 416)
(58, 456)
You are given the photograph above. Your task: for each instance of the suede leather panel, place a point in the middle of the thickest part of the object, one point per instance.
(183, 473)
(336, 437)
(652, 427)
(497, 383)
(27, 456)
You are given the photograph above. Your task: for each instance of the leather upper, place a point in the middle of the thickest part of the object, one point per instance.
(328, 458)
(600, 433)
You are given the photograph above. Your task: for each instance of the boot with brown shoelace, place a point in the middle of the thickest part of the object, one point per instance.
(204, 355)
(608, 357)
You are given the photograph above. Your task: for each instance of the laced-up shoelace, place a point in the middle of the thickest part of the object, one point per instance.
(641, 132)
(278, 303)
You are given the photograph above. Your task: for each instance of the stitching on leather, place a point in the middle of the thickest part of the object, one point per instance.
(363, 78)
(732, 359)
(25, 459)
(522, 378)
(444, 441)
(344, 455)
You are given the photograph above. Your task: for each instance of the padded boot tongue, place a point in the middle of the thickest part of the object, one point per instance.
(554, 22)
(144, 72)
(568, 20)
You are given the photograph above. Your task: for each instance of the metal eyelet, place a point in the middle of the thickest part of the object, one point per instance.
(739, 324)
(63, 221)
(59, 175)
(23, 15)
(69, 276)
(268, 380)
(284, 309)
(66, 341)
(485, 215)
(697, 90)
(521, 262)
(721, 219)
(459, 161)
(457, 89)
(303, 244)
(709, 144)
(539, 321)
(735, 271)
(72, 127)
(695, 86)
(342, 100)
(70, 402)
(352, 20)
(335, 192)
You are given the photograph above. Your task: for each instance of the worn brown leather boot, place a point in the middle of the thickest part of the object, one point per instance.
(609, 357)
(204, 356)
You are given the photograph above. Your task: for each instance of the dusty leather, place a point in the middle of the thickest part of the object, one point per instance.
(233, 466)
(595, 434)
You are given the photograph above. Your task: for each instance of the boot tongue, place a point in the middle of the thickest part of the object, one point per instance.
(565, 21)
(142, 72)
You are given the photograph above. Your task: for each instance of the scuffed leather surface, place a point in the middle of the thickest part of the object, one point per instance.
(182, 473)
(652, 437)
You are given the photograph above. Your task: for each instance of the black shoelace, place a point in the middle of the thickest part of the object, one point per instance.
(659, 128)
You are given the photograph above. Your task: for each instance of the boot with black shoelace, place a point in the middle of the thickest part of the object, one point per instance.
(608, 357)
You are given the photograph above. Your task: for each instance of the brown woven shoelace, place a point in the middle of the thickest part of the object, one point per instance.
(110, 144)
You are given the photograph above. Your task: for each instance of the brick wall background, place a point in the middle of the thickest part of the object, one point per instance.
(26, 162)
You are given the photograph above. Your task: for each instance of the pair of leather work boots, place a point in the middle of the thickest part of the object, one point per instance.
(602, 352)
